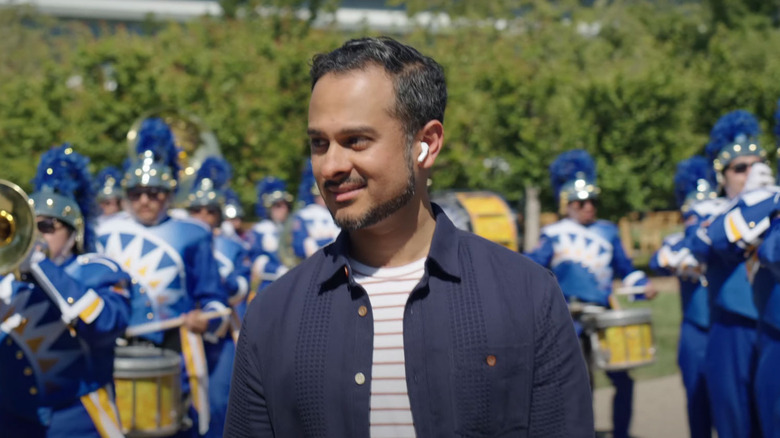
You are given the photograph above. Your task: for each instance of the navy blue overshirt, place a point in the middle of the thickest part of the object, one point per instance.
(489, 345)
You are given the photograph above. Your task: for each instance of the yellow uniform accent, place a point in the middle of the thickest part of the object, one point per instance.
(734, 230)
(102, 412)
(197, 374)
(91, 312)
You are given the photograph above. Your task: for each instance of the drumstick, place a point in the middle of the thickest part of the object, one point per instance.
(630, 290)
(158, 326)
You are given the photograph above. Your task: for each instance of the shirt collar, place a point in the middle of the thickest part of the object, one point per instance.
(442, 257)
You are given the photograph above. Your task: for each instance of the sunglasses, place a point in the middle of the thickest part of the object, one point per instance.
(135, 193)
(740, 168)
(210, 210)
(49, 225)
(581, 203)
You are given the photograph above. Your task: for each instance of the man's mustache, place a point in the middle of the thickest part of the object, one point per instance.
(352, 180)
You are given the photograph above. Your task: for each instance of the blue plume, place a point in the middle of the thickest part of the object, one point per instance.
(689, 172)
(216, 169)
(738, 125)
(66, 172)
(155, 135)
(568, 166)
(305, 195)
(267, 186)
(106, 174)
(231, 197)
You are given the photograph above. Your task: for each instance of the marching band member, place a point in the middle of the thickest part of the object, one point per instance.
(696, 199)
(109, 194)
(61, 320)
(313, 226)
(585, 254)
(767, 385)
(273, 208)
(171, 259)
(205, 203)
(233, 216)
(730, 356)
(748, 233)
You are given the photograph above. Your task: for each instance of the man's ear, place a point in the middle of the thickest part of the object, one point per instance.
(432, 135)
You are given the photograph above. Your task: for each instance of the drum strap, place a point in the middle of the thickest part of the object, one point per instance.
(197, 373)
(102, 410)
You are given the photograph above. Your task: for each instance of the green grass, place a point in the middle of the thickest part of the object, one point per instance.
(666, 332)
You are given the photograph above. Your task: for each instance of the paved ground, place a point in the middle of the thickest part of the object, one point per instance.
(659, 409)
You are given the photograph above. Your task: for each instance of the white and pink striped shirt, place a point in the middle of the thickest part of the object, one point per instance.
(388, 289)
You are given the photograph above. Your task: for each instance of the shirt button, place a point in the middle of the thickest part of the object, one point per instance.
(360, 378)
(19, 354)
(150, 315)
(491, 360)
(28, 371)
(70, 300)
(362, 310)
(33, 390)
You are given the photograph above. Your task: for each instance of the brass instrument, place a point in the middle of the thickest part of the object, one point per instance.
(17, 226)
(194, 141)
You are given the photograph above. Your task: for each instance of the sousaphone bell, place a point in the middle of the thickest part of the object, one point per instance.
(17, 226)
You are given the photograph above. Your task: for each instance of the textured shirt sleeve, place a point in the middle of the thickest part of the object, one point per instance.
(561, 402)
(247, 414)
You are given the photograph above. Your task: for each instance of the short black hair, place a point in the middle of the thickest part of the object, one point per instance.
(418, 80)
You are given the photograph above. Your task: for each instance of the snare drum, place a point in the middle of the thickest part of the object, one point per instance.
(148, 391)
(483, 213)
(621, 339)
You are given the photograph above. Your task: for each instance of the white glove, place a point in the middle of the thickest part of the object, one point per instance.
(35, 256)
(760, 175)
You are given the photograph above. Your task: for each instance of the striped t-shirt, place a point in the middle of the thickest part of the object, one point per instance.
(388, 290)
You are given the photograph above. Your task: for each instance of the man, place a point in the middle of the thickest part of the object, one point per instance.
(109, 194)
(696, 197)
(730, 357)
(233, 215)
(62, 318)
(205, 202)
(312, 225)
(171, 259)
(273, 208)
(405, 326)
(585, 254)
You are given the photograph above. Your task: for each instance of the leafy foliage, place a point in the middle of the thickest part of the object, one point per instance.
(638, 85)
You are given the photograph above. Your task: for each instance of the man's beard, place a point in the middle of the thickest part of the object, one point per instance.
(382, 211)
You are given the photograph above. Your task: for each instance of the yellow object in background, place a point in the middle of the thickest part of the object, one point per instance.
(152, 407)
(490, 217)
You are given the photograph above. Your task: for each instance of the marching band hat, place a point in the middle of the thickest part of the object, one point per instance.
(573, 178)
(63, 190)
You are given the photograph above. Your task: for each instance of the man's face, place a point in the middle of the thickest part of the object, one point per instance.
(147, 203)
(583, 212)
(55, 234)
(279, 211)
(109, 206)
(237, 223)
(736, 173)
(359, 152)
(210, 215)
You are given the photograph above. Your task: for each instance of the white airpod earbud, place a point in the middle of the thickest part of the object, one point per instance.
(424, 152)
